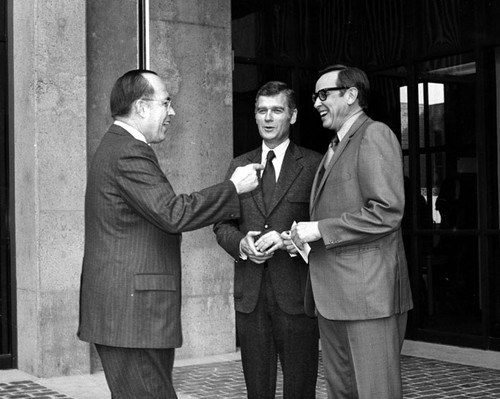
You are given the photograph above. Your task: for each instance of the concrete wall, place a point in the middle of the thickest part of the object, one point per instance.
(191, 49)
(111, 51)
(190, 44)
(64, 58)
(47, 126)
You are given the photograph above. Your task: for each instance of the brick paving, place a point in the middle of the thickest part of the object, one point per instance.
(422, 379)
(27, 389)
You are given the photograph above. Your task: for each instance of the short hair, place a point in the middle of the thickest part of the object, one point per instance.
(129, 88)
(274, 88)
(351, 77)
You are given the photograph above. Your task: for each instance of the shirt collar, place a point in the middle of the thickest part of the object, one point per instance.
(132, 130)
(279, 151)
(348, 124)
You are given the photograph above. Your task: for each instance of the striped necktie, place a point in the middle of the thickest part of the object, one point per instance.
(331, 150)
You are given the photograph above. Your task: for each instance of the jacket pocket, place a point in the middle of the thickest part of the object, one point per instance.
(356, 250)
(154, 282)
(335, 180)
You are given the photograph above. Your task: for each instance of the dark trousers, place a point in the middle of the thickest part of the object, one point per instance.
(138, 373)
(268, 333)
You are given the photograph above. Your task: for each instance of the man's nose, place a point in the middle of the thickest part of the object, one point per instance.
(269, 115)
(171, 111)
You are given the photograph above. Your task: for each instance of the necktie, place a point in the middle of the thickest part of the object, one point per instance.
(329, 155)
(268, 179)
(331, 150)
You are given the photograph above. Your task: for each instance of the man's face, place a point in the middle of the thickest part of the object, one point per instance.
(158, 111)
(274, 117)
(334, 109)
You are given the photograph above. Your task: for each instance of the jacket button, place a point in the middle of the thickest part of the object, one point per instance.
(266, 226)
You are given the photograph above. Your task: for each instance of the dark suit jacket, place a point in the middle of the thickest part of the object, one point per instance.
(131, 277)
(358, 269)
(290, 203)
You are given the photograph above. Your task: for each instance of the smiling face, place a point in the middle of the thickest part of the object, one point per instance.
(274, 117)
(336, 108)
(157, 111)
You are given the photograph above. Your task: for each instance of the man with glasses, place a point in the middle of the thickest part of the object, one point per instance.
(130, 302)
(357, 263)
(269, 284)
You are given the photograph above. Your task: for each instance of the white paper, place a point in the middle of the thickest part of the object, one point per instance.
(303, 252)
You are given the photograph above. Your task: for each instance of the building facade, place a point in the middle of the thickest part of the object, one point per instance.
(435, 73)
(61, 59)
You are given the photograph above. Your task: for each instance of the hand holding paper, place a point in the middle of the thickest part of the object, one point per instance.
(302, 247)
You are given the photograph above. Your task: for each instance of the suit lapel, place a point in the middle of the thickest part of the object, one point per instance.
(315, 185)
(338, 152)
(256, 157)
(289, 172)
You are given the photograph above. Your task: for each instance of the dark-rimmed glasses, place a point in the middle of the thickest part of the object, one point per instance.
(323, 93)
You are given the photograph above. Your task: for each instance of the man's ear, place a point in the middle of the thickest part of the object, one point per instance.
(293, 119)
(352, 95)
(139, 107)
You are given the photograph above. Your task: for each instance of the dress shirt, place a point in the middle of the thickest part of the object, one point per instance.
(279, 153)
(133, 131)
(348, 124)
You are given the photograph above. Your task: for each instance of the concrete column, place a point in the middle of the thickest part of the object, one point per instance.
(64, 59)
(191, 48)
(112, 50)
(47, 120)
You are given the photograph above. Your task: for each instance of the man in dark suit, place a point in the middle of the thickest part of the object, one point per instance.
(131, 279)
(357, 262)
(269, 283)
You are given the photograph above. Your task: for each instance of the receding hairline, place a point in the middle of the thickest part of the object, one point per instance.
(326, 76)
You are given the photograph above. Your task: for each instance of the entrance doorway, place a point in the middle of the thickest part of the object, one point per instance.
(444, 112)
(448, 183)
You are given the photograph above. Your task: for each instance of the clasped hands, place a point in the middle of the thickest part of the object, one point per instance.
(261, 248)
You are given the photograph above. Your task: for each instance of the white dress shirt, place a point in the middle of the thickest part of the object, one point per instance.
(279, 153)
(133, 131)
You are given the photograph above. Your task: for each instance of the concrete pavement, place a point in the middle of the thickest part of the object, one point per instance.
(429, 371)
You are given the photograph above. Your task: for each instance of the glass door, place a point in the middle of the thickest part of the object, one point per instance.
(449, 289)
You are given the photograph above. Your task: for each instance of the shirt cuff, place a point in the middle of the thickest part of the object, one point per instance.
(243, 256)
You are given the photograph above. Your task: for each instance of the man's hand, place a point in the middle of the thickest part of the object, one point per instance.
(247, 246)
(304, 232)
(287, 241)
(269, 242)
(245, 177)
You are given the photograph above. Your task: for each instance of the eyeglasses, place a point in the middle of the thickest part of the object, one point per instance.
(323, 93)
(164, 103)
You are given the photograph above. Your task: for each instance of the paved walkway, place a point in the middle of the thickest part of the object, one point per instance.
(221, 377)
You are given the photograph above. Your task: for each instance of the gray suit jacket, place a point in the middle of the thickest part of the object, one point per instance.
(131, 277)
(290, 203)
(358, 269)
